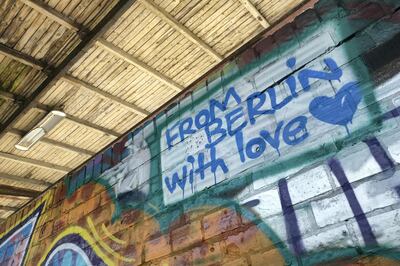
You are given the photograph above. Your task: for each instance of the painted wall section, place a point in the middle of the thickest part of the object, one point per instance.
(286, 155)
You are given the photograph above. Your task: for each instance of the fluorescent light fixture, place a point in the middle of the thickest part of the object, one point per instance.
(51, 120)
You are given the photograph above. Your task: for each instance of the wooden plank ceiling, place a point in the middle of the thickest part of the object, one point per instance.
(108, 64)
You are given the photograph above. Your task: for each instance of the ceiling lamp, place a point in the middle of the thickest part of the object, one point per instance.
(51, 120)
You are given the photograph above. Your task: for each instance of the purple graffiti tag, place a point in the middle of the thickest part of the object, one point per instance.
(382, 158)
(391, 114)
(292, 226)
(380, 154)
(365, 227)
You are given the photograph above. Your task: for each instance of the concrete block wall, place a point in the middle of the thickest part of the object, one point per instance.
(286, 155)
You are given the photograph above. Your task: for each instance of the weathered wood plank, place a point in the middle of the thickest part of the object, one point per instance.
(255, 13)
(53, 14)
(22, 58)
(34, 163)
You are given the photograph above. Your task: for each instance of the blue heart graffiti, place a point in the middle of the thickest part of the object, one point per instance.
(340, 109)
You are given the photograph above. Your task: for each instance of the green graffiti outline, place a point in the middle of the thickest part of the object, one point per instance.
(208, 197)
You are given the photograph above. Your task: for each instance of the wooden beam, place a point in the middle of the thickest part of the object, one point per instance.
(57, 144)
(35, 163)
(68, 147)
(25, 180)
(18, 192)
(8, 96)
(46, 109)
(87, 41)
(8, 208)
(49, 12)
(84, 123)
(18, 198)
(92, 126)
(131, 107)
(175, 24)
(111, 48)
(255, 13)
(21, 57)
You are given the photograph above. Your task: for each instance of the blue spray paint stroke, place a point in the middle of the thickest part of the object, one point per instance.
(340, 109)
(291, 223)
(382, 158)
(363, 224)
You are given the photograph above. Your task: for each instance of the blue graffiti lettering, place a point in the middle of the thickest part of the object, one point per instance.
(306, 74)
(202, 166)
(290, 133)
(254, 104)
(231, 93)
(233, 117)
(230, 117)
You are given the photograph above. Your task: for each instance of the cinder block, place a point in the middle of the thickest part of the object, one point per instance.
(186, 235)
(157, 247)
(269, 203)
(251, 240)
(332, 238)
(331, 210)
(92, 204)
(371, 195)
(269, 258)
(392, 142)
(208, 254)
(376, 194)
(309, 184)
(178, 259)
(236, 262)
(358, 165)
(219, 222)
(278, 226)
(386, 228)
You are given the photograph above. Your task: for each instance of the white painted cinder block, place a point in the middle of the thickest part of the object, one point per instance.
(338, 237)
(358, 165)
(277, 224)
(331, 210)
(371, 195)
(269, 205)
(271, 179)
(392, 142)
(375, 195)
(309, 184)
(386, 228)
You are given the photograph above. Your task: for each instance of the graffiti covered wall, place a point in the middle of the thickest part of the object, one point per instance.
(287, 155)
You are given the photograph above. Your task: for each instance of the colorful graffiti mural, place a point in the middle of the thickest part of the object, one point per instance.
(15, 242)
(288, 155)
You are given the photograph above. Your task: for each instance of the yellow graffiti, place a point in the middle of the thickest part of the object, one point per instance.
(104, 245)
(43, 200)
(111, 236)
(86, 236)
